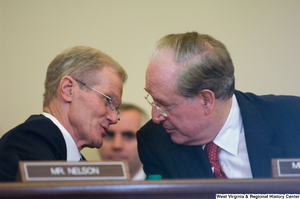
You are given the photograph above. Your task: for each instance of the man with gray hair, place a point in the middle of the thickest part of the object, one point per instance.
(83, 89)
(201, 126)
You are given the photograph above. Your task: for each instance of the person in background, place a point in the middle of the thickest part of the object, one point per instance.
(83, 89)
(120, 142)
(201, 126)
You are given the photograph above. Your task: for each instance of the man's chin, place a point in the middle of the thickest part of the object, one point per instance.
(177, 139)
(96, 145)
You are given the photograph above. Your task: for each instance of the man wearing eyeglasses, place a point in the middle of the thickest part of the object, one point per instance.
(201, 126)
(83, 89)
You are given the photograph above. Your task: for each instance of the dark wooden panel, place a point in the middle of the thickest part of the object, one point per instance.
(160, 189)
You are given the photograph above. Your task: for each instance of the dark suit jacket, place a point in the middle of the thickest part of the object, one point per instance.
(272, 130)
(38, 138)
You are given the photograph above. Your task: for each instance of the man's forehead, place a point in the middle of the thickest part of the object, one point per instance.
(160, 85)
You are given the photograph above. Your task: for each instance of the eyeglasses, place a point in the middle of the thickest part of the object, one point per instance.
(162, 112)
(109, 101)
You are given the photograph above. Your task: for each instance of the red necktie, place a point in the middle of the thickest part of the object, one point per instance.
(211, 150)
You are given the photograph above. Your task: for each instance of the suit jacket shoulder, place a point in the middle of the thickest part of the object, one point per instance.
(38, 138)
(272, 129)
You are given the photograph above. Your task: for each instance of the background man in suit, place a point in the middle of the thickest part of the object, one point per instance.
(83, 89)
(190, 85)
(120, 142)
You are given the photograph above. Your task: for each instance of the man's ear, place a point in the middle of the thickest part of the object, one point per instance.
(66, 88)
(207, 100)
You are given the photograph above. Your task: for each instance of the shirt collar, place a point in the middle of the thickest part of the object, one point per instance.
(140, 175)
(228, 137)
(72, 151)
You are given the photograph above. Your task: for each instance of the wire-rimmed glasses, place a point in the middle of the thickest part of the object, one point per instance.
(162, 112)
(109, 101)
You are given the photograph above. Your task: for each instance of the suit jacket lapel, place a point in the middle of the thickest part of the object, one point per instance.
(82, 157)
(260, 156)
(258, 137)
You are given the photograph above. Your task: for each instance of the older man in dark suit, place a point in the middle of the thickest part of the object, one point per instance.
(201, 126)
(83, 88)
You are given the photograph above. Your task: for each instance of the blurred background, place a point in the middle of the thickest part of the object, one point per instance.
(261, 35)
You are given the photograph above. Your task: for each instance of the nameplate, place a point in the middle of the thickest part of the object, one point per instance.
(286, 167)
(70, 171)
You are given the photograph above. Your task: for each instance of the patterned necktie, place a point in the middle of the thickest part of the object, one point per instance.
(211, 150)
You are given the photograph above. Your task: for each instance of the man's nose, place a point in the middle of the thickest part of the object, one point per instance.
(117, 142)
(157, 117)
(112, 116)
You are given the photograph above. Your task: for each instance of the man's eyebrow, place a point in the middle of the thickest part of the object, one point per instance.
(159, 101)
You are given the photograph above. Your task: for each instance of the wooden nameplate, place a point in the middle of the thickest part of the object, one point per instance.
(32, 171)
(286, 167)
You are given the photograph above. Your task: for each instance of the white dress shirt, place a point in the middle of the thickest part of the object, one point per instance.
(233, 155)
(73, 153)
(140, 175)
